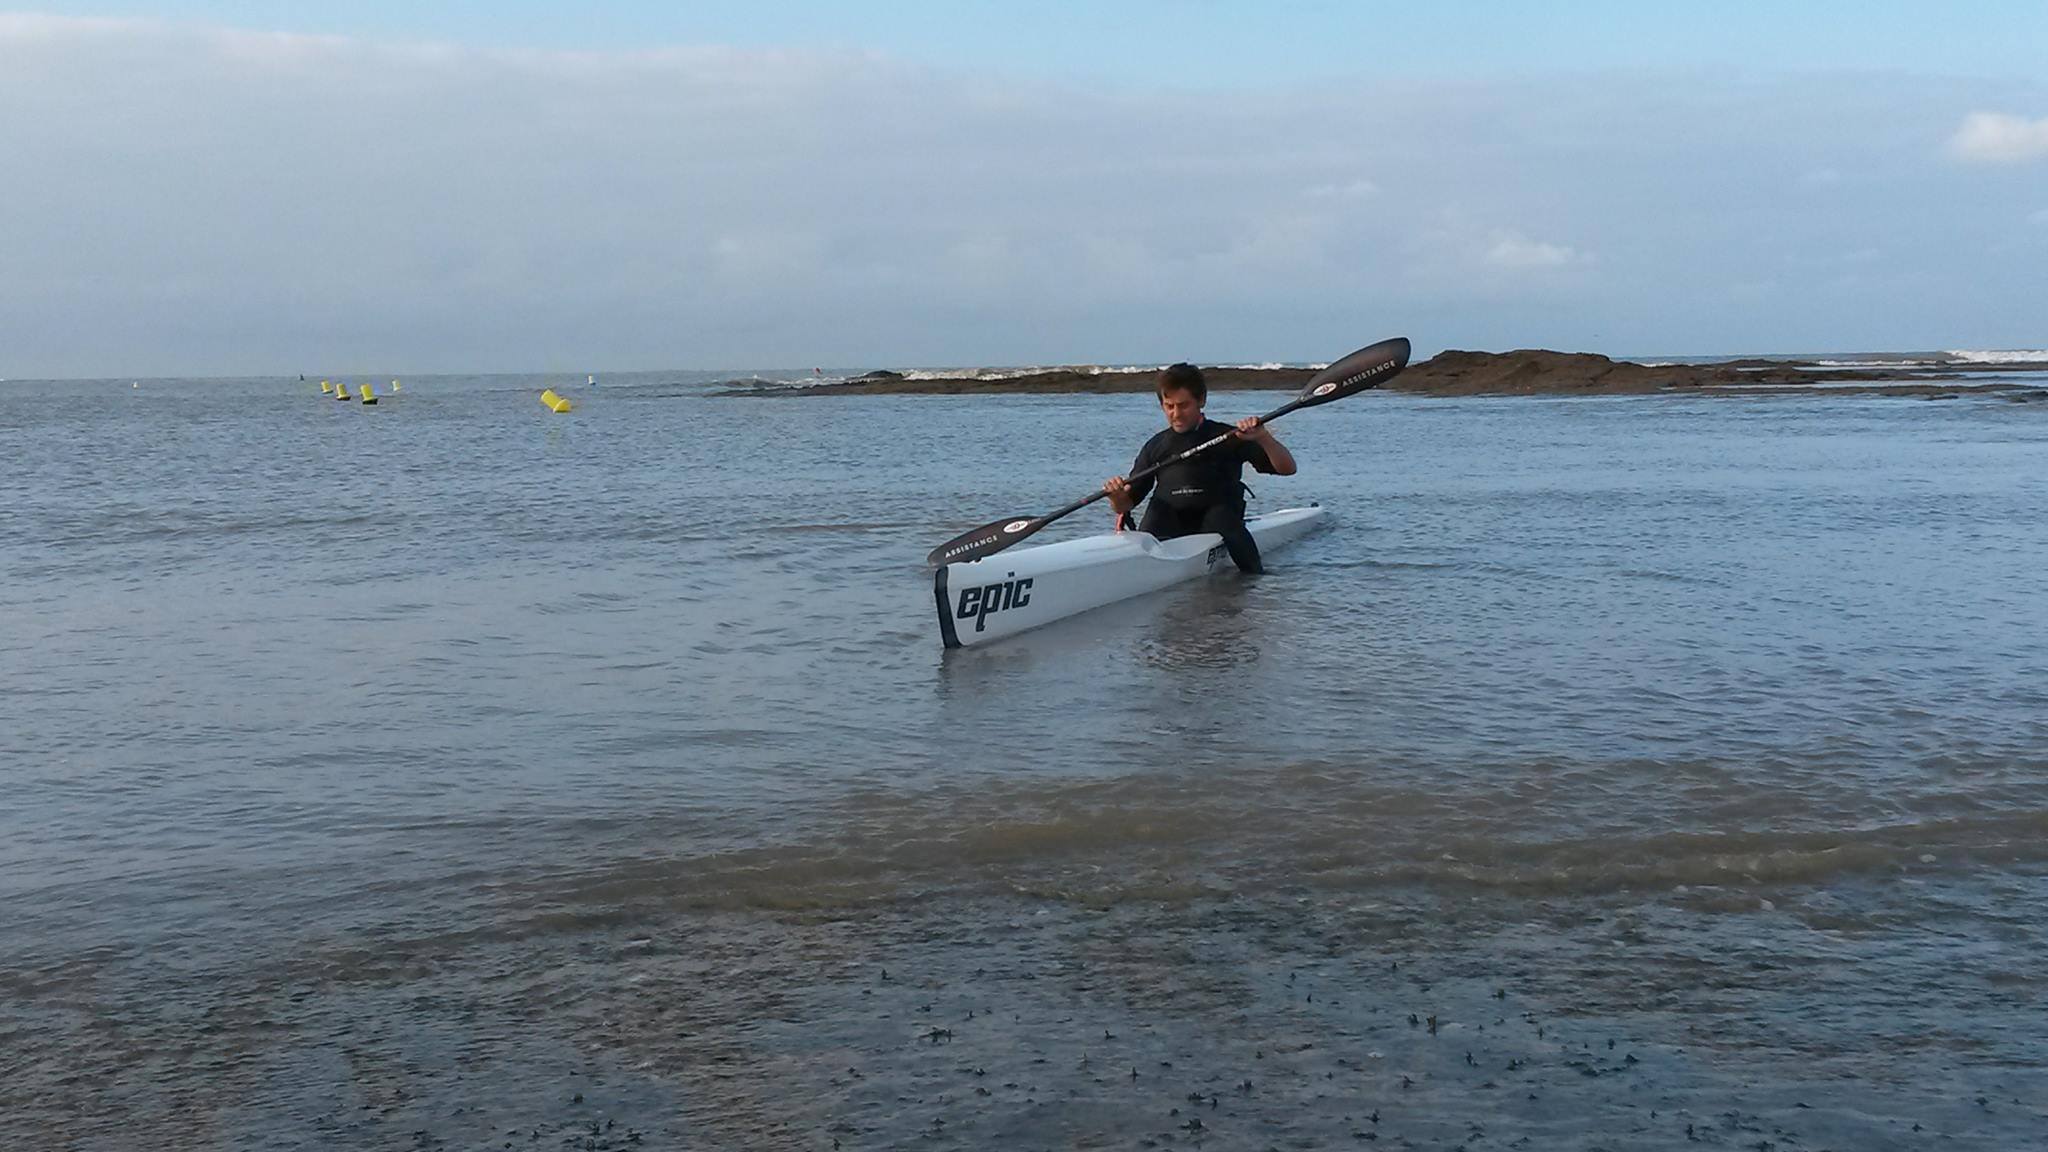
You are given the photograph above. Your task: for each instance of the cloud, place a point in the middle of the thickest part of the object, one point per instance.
(1997, 138)
(26, 27)
(1349, 190)
(1461, 251)
(1515, 252)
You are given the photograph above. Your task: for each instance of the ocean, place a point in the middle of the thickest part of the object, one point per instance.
(1626, 773)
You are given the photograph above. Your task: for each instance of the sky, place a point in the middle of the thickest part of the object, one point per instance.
(242, 188)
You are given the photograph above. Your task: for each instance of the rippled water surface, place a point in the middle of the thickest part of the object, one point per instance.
(325, 729)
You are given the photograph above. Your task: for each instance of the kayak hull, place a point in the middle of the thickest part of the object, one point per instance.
(984, 600)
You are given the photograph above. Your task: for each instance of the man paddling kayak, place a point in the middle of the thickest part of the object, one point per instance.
(1204, 494)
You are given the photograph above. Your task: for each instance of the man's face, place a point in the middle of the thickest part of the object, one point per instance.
(1183, 411)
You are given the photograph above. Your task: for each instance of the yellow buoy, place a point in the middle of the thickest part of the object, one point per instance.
(325, 388)
(341, 392)
(555, 403)
(369, 396)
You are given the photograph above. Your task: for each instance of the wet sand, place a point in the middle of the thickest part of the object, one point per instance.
(1526, 372)
(1296, 1019)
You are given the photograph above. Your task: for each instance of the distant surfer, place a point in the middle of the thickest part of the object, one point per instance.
(1204, 494)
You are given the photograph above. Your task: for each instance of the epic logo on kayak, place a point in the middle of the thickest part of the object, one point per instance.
(985, 600)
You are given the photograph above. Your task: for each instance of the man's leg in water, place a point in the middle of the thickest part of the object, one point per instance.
(1227, 521)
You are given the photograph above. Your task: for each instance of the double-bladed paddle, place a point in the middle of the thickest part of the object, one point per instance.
(1366, 368)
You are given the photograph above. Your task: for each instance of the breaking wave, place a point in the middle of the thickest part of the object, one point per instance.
(2000, 356)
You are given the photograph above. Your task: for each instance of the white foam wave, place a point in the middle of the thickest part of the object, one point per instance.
(1012, 373)
(1084, 369)
(1998, 355)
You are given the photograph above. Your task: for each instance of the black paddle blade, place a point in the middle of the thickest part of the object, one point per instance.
(986, 540)
(1369, 367)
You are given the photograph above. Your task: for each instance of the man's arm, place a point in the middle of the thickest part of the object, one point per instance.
(1123, 495)
(1267, 453)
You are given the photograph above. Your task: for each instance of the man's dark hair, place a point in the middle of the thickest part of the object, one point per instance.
(1184, 378)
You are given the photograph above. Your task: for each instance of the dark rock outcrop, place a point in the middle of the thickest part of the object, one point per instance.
(1524, 372)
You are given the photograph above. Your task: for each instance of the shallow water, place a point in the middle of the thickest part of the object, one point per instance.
(422, 732)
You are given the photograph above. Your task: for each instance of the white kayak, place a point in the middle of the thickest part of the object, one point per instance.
(1009, 592)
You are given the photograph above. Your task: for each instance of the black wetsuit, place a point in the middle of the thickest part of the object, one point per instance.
(1204, 494)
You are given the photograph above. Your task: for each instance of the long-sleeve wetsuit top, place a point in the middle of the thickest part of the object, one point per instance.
(1205, 481)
